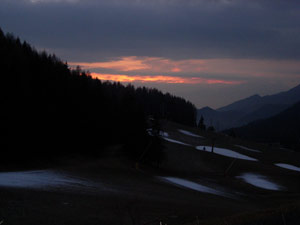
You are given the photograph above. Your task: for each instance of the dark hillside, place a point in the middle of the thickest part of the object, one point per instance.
(245, 105)
(283, 128)
(48, 109)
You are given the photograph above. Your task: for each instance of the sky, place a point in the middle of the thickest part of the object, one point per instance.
(211, 52)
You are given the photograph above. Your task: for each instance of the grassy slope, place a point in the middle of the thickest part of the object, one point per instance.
(273, 207)
(143, 199)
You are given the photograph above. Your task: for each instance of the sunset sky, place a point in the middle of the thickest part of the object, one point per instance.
(211, 52)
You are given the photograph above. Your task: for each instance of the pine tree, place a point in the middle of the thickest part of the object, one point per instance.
(201, 124)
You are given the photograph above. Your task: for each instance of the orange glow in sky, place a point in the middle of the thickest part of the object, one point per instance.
(220, 67)
(189, 71)
(129, 63)
(161, 79)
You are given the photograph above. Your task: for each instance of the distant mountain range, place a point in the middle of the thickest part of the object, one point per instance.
(283, 128)
(249, 109)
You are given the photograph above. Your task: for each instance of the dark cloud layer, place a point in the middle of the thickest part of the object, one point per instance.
(267, 31)
(171, 29)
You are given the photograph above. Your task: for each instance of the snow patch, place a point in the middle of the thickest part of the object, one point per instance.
(149, 131)
(248, 149)
(288, 166)
(175, 141)
(163, 134)
(226, 152)
(189, 133)
(39, 179)
(259, 181)
(193, 185)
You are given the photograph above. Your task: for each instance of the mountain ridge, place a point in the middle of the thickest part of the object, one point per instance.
(249, 109)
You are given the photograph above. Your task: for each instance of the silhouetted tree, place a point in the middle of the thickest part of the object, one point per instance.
(154, 152)
(201, 124)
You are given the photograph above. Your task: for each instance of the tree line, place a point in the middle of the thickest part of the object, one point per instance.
(50, 110)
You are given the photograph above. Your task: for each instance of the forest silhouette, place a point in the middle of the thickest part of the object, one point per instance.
(49, 110)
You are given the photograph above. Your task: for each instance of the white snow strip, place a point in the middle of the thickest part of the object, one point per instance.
(161, 133)
(164, 134)
(193, 185)
(259, 181)
(175, 141)
(288, 166)
(226, 152)
(189, 133)
(248, 149)
(39, 179)
(149, 131)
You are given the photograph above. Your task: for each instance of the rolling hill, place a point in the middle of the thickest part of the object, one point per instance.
(240, 183)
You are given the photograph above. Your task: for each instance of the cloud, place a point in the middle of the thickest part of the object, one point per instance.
(51, 1)
(175, 29)
(124, 64)
(161, 79)
(205, 68)
(255, 41)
